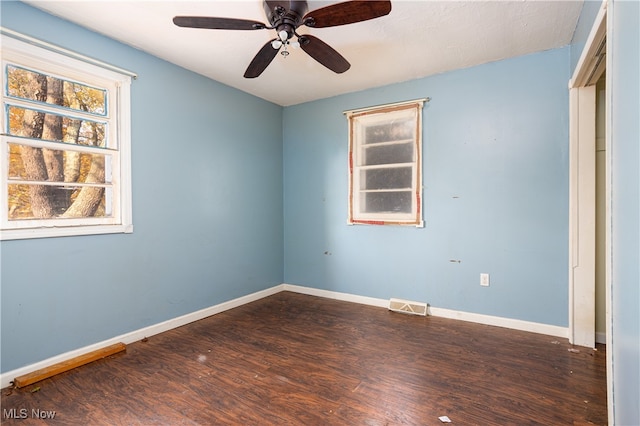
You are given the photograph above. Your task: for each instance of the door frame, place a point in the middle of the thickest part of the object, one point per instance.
(582, 172)
(593, 61)
(582, 215)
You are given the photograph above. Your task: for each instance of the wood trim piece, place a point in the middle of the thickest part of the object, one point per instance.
(61, 367)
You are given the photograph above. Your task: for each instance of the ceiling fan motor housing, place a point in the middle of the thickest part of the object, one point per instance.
(283, 19)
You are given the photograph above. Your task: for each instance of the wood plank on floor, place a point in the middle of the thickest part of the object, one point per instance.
(299, 359)
(61, 367)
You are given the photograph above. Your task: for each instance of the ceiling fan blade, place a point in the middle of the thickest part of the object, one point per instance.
(262, 60)
(347, 12)
(217, 23)
(323, 53)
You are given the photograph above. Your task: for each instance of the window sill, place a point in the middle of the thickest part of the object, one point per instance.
(23, 234)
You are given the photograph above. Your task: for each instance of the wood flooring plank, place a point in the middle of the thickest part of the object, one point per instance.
(297, 359)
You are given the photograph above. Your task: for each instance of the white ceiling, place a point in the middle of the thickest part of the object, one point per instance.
(417, 39)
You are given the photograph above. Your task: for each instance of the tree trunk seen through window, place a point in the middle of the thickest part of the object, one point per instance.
(52, 165)
(32, 158)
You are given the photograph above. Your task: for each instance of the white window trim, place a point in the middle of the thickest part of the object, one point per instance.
(413, 218)
(31, 55)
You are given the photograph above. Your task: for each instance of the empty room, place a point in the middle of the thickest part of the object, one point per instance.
(322, 212)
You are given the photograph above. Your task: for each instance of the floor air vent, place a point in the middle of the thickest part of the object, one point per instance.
(408, 307)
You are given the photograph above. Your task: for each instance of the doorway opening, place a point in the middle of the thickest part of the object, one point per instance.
(589, 191)
(590, 224)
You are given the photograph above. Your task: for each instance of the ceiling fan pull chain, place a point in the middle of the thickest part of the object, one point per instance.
(285, 52)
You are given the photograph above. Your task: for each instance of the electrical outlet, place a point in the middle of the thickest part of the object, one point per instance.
(484, 280)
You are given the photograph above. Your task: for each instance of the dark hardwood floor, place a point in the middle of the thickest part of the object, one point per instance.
(303, 360)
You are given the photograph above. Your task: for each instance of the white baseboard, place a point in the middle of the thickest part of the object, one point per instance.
(134, 336)
(515, 324)
(601, 337)
(346, 297)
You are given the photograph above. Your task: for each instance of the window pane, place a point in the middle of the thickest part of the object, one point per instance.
(388, 154)
(385, 164)
(387, 178)
(53, 127)
(26, 84)
(393, 131)
(49, 165)
(47, 202)
(387, 202)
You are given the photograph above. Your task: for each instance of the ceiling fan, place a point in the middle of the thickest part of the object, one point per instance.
(285, 17)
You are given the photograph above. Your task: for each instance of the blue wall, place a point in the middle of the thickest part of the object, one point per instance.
(495, 194)
(624, 48)
(207, 210)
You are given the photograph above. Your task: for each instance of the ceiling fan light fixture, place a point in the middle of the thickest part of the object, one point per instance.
(284, 35)
(276, 44)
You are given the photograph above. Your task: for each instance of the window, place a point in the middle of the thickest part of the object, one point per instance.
(385, 176)
(65, 143)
